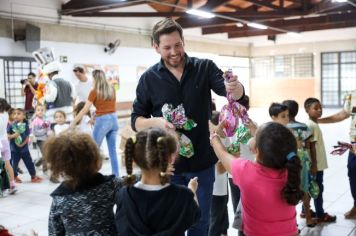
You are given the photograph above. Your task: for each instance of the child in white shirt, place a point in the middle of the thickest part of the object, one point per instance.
(60, 119)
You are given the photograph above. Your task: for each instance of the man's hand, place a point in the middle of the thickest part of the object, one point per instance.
(162, 123)
(234, 87)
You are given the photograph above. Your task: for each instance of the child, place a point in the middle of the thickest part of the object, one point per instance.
(41, 130)
(270, 186)
(313, 108)
(83, 203)
(85, 124)
(302, 134)
(4, 143)
(219, 217)
(18, 133)
(153, 206)
(279, 113)
(61, 125)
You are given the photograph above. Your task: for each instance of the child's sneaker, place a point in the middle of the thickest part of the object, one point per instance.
(18, 180)
(20, 171)
(36, 179)
(12, 190)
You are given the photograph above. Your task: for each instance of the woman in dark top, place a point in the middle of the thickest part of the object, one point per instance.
(153, 206)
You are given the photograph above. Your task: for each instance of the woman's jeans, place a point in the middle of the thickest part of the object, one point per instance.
(106, 126)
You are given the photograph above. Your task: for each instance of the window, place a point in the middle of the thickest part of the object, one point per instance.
(282, 66)
(338, 76)
(16, 69)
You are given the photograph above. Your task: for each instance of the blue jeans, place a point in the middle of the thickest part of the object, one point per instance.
(206, 180)
(27, 159)
(318, 202)
(351, 166)
(106, 126)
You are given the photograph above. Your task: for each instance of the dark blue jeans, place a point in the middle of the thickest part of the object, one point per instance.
(206, 180)
(351, 166)
(27, 159)
(318, 202)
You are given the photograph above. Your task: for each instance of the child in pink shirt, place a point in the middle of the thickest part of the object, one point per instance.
(270, 186)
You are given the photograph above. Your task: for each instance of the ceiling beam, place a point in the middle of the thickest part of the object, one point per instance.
(186, 23)
(325, 5)
(264, 4)
(79, 6)
(249, 33)
(286, 23)
(211, 4)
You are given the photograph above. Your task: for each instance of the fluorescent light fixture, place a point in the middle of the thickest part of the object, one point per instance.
(200, 13)
(339, 0)
(239, 24)
(256, 25)
(294, 34)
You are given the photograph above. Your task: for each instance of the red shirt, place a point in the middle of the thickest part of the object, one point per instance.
(29, 97)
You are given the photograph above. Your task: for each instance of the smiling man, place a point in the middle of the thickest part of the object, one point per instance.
(180, 80)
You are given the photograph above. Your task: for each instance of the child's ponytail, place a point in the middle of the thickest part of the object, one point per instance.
(291, 191)
(129, 179)
(163, 159)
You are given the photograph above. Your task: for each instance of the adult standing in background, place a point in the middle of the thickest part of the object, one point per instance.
(182, 80)
(84, 84)
(28, 90)
(103, 97)
(59, 93)
(348, 110)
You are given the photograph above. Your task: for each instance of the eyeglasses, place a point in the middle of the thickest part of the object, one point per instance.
(75, 70)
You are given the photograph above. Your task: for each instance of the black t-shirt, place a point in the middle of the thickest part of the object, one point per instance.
(166, 212)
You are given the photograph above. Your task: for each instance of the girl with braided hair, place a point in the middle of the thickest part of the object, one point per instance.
(154, 206)
(270, 186)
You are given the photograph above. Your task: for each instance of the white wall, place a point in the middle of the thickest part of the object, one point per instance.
(128, 59)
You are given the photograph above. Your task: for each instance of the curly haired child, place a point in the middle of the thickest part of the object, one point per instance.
(83, 203)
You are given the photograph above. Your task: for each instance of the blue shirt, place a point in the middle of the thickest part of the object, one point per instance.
(158, 86)
(24, 136)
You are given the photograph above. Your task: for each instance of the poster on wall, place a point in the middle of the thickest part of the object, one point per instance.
(111, 72)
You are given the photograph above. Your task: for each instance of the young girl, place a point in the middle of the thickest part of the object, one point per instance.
(153, 206)
(18, 133)
(85, 124)
(4, 143)
(41, 130)
(61, 125)
(83, 203)
(270, 187)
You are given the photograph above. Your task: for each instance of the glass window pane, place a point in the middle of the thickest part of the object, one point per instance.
(348, 57)
(329, 58)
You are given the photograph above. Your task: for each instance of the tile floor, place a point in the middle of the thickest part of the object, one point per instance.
(29, 208)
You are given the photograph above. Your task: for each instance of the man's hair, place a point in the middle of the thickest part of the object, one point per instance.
(31, 74)
(165, 26)
(309, 101)
(276, 108)
(293, 107)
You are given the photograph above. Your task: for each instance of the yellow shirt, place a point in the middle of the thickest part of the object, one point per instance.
(317, 137)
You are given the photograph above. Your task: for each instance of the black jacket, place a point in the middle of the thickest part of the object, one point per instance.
(87, 210)
(166, 212)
